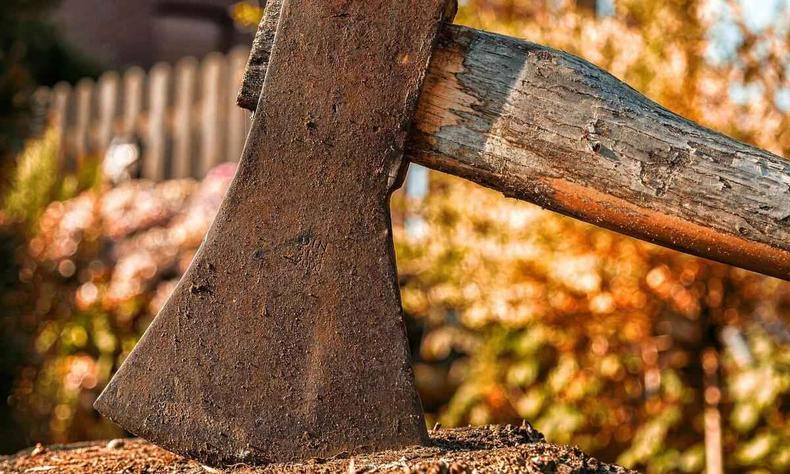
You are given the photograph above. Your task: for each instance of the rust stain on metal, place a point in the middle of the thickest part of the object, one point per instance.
(284, 340)
(618, 214)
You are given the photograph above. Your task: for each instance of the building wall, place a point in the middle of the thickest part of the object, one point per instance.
(140, 32)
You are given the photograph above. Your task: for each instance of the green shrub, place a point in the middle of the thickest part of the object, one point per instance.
(34, 181)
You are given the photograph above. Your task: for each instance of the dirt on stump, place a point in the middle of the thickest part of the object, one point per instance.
(489, 449)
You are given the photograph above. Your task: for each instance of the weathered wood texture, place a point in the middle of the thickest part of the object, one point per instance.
(258, 61)
(544, 126)
(183, 116)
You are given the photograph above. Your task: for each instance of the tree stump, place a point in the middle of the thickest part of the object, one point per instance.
(494, 449)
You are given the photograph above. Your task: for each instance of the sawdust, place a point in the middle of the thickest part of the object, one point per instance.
(493, 449)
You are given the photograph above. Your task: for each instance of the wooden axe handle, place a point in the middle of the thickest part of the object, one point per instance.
(547, 127)
(258, 61)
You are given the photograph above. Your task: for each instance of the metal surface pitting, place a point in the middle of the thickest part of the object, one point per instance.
(284, 340)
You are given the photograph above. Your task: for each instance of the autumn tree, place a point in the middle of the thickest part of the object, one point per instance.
(637, 353)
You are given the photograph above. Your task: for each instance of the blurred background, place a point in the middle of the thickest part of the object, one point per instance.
(118, 133)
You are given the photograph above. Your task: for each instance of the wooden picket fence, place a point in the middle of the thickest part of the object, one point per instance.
(183, 116)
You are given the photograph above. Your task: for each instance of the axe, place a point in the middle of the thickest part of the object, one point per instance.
(284, 340)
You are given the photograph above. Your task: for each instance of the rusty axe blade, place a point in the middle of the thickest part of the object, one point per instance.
(252, 83)
(284, 340)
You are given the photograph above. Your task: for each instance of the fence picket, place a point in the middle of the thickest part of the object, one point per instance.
(211, 110)
(57, 117)
(133, 83)
(84, 108)
(183, 129)
(108, 88)
(156, 141)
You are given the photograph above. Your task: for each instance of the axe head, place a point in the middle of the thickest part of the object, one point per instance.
(284, 340)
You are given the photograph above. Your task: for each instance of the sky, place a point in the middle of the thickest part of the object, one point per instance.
(725, 36)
